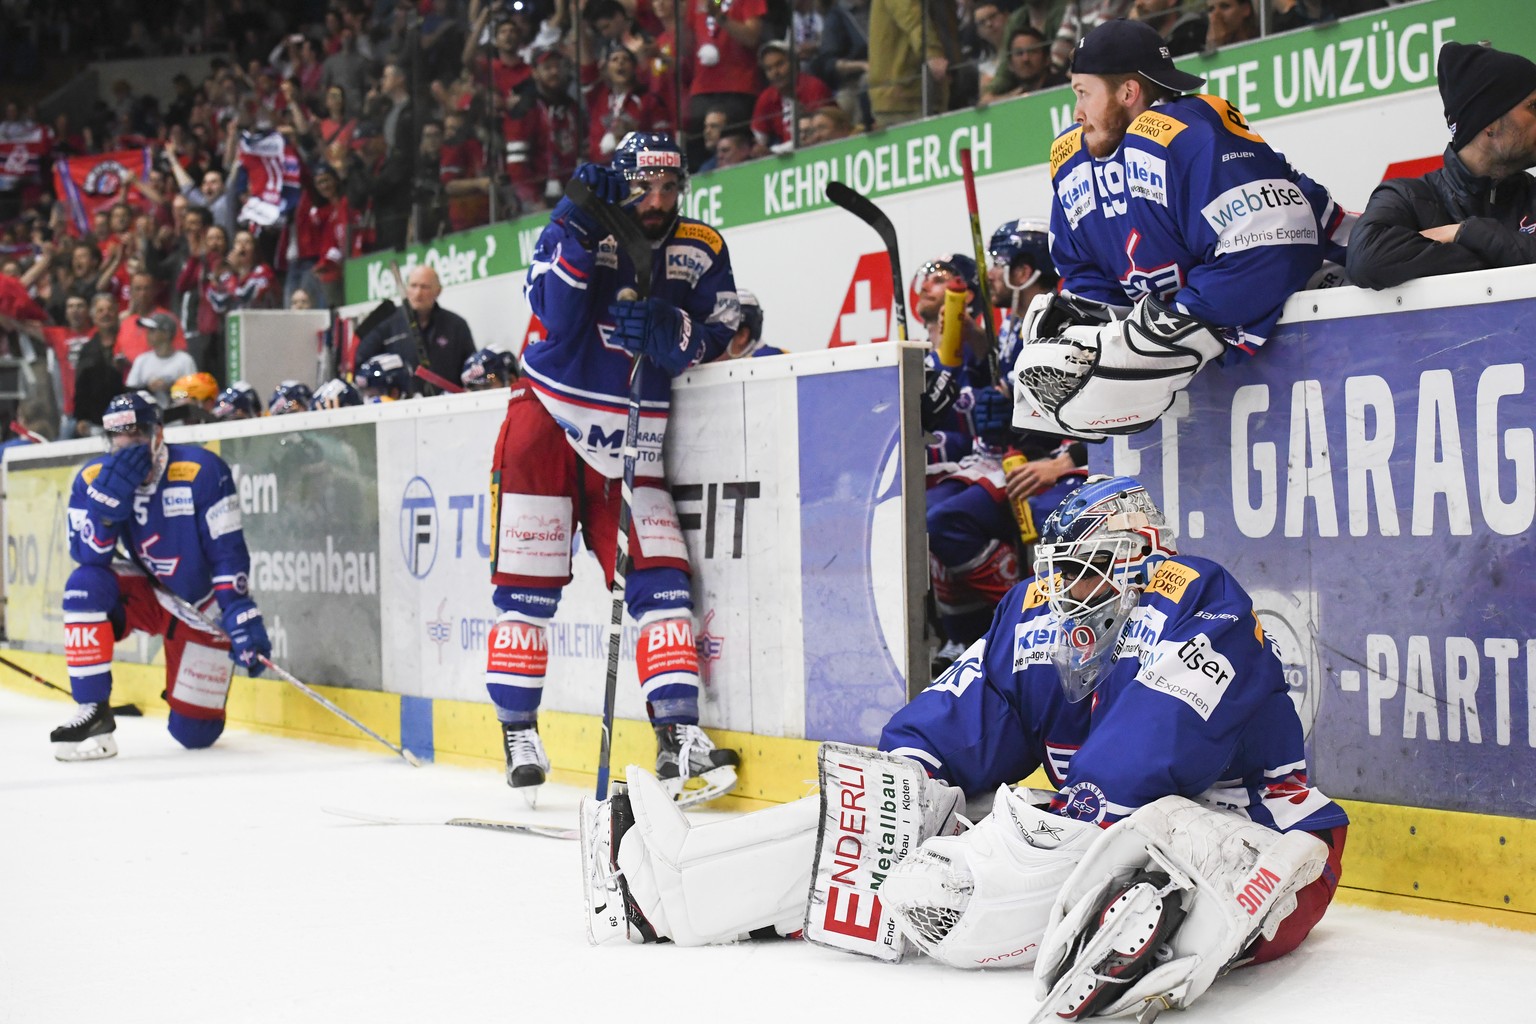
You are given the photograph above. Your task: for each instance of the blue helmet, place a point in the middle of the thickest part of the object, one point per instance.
(290, 396)
(239, 401)
(487, 369)
(385, 375)
(959, 265)
(1094, 557)
(641, 154)
(1025, 241)
(130, 412)
(335, 394)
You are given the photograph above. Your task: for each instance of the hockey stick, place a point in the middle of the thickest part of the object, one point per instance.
(861, 207)
(993, 369)
(626, 232)
(547, 831)
(125, 710)
(207, 625)
(422, 372)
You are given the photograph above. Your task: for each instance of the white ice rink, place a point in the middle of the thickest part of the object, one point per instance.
(170, 886)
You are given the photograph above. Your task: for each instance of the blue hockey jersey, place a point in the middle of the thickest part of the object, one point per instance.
(1196, 209)
(583, 378)
(1193, 703)
(184, 527)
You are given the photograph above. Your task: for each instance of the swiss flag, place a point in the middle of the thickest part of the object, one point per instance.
(536, 332)
(866, 314)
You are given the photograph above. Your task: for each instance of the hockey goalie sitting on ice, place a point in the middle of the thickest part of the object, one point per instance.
(1182, 839)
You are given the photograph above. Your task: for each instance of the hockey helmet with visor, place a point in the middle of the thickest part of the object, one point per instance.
(1096, 552)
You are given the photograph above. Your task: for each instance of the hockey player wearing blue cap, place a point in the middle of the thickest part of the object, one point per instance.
(1181, 228)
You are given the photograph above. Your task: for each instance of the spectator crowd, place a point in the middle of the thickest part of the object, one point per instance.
(324, 131)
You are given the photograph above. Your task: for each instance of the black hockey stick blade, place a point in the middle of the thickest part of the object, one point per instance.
(546, 831)
(862, 207)
(123, 710)
(624, 229)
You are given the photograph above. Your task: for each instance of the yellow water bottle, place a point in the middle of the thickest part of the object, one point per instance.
(1022, 513)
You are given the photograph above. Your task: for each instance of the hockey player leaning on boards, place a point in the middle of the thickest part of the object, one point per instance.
(174, 508)
(558, 460)
(1141, 681)
(1173, 206)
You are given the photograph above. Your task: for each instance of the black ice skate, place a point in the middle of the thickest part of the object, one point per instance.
(684, 752)
(527, 764)
(87, 736)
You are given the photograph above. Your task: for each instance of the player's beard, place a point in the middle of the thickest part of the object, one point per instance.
(656, 223)
(1104, 138)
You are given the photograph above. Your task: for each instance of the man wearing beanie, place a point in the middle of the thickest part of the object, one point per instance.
(1479, 210)
(1178, 233)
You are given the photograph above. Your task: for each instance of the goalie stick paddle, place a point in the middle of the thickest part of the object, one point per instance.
(491, 824)
(626, 232)
(861, 207)
(121, 710)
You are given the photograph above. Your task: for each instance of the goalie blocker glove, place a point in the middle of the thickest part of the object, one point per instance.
(1119, 378)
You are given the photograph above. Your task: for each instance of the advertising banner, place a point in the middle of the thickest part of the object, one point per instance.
(793, 518)
(1372, 481)
(37, 558)
(309, 503)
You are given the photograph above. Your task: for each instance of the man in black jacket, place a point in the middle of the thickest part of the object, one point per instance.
(432, 341)
(1477, 212)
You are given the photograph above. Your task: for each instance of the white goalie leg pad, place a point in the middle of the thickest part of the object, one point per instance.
(717, 882)
(875, 809)
(1239, 881)
(983, 898)
(1115, 379)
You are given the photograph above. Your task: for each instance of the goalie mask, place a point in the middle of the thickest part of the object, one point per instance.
(1095, 555)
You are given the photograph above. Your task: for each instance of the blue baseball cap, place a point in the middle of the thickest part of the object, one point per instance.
(1123, 47)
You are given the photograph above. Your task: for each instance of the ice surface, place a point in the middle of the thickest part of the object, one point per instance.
(171, 886)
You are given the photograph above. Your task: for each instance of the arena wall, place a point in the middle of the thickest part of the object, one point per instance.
(1371, 476)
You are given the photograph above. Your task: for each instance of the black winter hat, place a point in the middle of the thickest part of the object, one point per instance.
(1479, 85)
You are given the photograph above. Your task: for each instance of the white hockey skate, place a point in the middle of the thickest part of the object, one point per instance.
(612, 915)
(87, 736)
(684, 753)
(527, 764)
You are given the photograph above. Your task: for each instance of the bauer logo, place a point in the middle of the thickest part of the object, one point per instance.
(418, 527)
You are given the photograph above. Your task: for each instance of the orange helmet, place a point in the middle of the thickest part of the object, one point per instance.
(200, 388)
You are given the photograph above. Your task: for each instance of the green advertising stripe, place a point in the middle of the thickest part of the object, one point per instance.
(1377, 54)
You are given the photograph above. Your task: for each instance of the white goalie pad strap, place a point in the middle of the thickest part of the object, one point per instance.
(717, 882)
(1116, 379)
(1240, 881)
(203, 677)
(875, 809)
(983, 898)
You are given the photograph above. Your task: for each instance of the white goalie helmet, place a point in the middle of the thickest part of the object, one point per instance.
(1095, 555)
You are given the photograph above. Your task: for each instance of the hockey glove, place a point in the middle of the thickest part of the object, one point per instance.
(248, 641)
(939, 392)
(121, 474)
(988, 414)
(658, 330)
(606, 185)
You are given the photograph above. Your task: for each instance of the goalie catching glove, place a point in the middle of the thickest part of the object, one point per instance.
(1091, 381)
(1163, 903)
